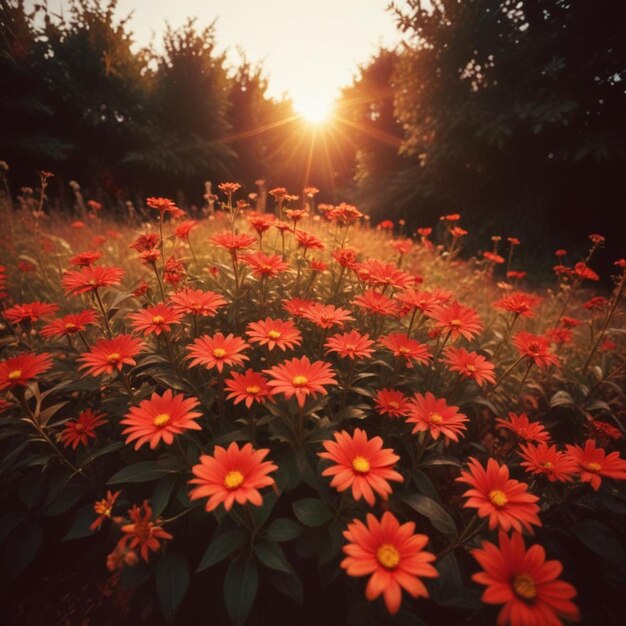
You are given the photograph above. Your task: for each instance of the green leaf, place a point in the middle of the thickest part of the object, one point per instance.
(22, 547)
(240, 588)
(172, 581)
(288, 584)
(162, 493)
(283, 529)
(221, 547)
(312, 512)
(144, 471)
(10, 521)
(272, 556)
(80, 526)
(437, 515)
(112, 447)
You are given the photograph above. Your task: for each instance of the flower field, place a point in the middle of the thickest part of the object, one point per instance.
(255, 417)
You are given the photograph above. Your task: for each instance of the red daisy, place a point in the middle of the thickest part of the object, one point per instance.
(392, 402)
(297, 306)
(265, 266)
(30, 312)
(143, 532)
(81, 429)
(518, 303)
(301, 378)
(381, 274)
(84, 259)
(233, 242)
(110, 354)
(525, 583)
(89, 279)
(69, 324)
(435, 416)
(535, 348)
(274, 333)
(457, 321)
(350, 345)
(249, 387)
(376, 302)
(156, 319)
(362, 464)
(160, 418)
(392, 555)
(104, 509)
(21, 369)
(545, 460)
(424, 301)
(524, 428)
(406, 348)
(470, 365)
(308, 241)
(327, 315)
(197, 302)
(218, 351)
(163, 205)
(594, 463)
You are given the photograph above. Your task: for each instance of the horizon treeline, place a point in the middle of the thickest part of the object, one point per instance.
(508, 112)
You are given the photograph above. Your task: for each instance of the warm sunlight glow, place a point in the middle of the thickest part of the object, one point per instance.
(314, 110)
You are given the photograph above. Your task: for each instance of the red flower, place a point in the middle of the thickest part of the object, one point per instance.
(183, 230)
(545, 460)
(435, 416)
(265, 266)
(524, 582)
(229, 188)
(381, 274)
(160, 418)
(142, 532)
(249, 387)
(470, 365)
(197, 302)
(155, 319)
(327, 315)
(297, 306)
(405, 348)
(232, 242)
(535, 348)
(235, 474)
(163, 205)
(81, 429)
(301, 378)
(84, 259)
(392, 554)
(518, 303)
(69, 324)
(308, 241)
(104, 509)
(391, 402)
(88, 279)
(376, 302)
(146, 242)
(274, 333)
(424, 301)
(29, 313)
(524, 428)
(457, 320)
(583, 272)
(594, 463)
(19, 370)
(503, 500)
(110, 354)
(350, 345)
(362, 464)
(217, 351)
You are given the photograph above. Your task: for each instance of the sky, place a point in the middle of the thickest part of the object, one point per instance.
(309, 48)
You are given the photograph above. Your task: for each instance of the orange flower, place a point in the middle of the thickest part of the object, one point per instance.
(392, 554)
(535, 348)
(362, 464)
(88, 279)
(376, 302)
(424, 301)
(142, 532)
(83, 259)
(405, 348)
(392, 403)
(470, 365)
(274, 333)
(110, 354)
(232, 242)
(217, 351)
(525, 583)
(524, 428)
(160, 418)
(264, 265)
(163, 205)
(594, 463)
(69, 324)
(350, 345)
(435, 416)
(503, 500)
(229, 188)
(232, 475)
(197, 302)
(297, 307)
(155, 319)
(518, 303)
(104, 509)
(327, 315)
(29, 313)
(545, 460)
(81, 429)
(381, 274)
(251, 387)
(19, 370)
(301, 378)
(183, 230)
(308, 241)
(457, 320)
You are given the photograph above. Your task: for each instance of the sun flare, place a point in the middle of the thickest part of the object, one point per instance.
(314, 110)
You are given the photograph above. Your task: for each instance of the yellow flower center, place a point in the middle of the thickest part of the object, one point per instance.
(404, 350)
(299, 381)
(394, 405)
(102, 508)
(435, 418)
(253, 389)
(548, 465)
(593, 467)
(456, 323)
(361, 465)
(524, 587)
(114, 357)
(498, 497)
(471, 368)
(161, 419)
(158, 319)
(15, 374)
(219, 353)
(79, 427)
(233, 479)
(388, 556)
(273, 334)
(70, 326)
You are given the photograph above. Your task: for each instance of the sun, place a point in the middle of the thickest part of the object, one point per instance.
(315, 110)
